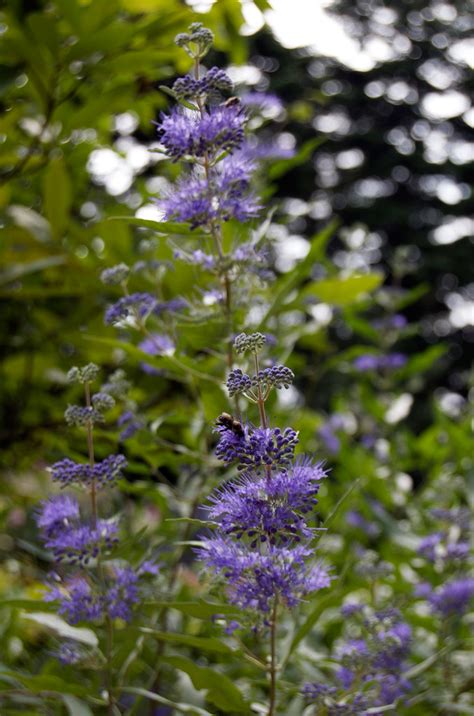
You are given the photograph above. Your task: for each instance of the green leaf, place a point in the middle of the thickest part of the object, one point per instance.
(45, 682)
(76, 707)
(450, 706)
(284, 165)
(189, 521)
(31, 221)
(52, 621)
(301, 270)
(183, 708)
(170, 93)
(183, 365)
(57, 196)
(425, 664)
(16, 271)
(31, 605)
(195, 642)
(422, 362)
(344, 291)
(162, 227)
(221, 691)
(199, 609)
(309, 622)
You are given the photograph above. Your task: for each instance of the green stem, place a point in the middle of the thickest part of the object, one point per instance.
(260, 398)
(111, 707)
(216, 233)
(273, 662)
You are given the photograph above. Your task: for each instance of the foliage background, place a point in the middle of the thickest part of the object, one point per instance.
(79, 90)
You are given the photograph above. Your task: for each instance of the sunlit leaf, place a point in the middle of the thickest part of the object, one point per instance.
(344, 291)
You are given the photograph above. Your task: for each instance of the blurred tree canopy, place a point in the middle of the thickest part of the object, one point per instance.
(396, 164)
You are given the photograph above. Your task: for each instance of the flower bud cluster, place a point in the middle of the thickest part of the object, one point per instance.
(117, 384)
(86, 374)
(101, 474)
(79, 416)
(249, 343)
(197, 41)
(137, 306)
(214, 80)
(115, 275)
(102, 401)
(238, 382)
(277, 376)
(256, 447)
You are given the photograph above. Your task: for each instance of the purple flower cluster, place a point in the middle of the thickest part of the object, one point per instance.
(129, 424)
(263, 538)
(156, 344)
(371, 665)
(223, 195)
(272, 510)
(212, 137)
(254, 578)
(329, 432)
(79, 599)
(136, 305)
(69, 652)
(253, 448)
(453, 597)
(68, 538)
(185, 133)
(107, 472)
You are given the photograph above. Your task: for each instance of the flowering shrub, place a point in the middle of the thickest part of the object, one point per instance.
(194, 558)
